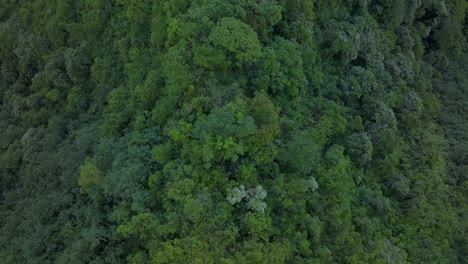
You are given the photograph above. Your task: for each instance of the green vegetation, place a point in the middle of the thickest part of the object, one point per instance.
(233, 131)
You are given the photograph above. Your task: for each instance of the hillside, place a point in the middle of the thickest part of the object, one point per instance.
(233, 131)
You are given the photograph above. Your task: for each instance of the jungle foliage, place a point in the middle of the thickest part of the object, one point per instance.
(233, 131)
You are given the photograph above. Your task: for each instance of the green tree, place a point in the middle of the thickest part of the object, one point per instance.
(90, 175)
(238, 41)
(360, 148)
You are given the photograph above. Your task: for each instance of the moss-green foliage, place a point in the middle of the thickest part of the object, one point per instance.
(233, 131)
(90, 175)
(236, 39)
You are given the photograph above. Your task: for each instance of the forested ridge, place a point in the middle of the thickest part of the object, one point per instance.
(233, 131)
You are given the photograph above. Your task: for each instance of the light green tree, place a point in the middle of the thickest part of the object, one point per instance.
(90, 175)
(237, 39)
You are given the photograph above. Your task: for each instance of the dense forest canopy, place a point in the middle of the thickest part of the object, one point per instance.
(233, 131)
